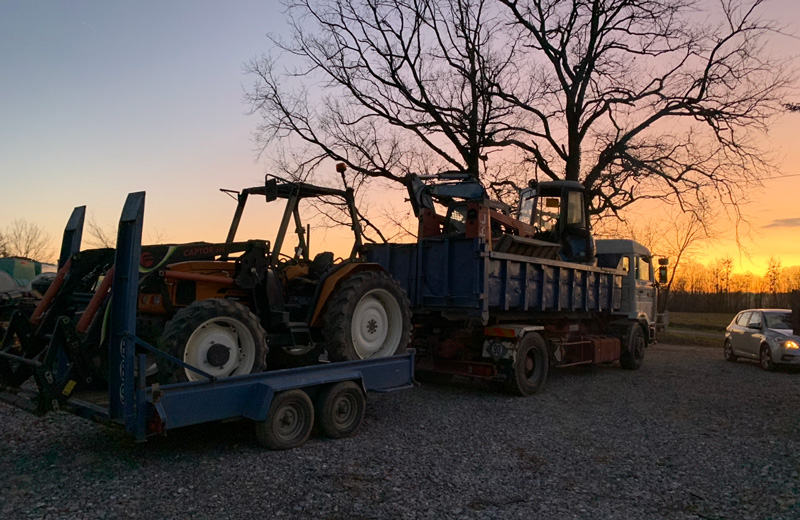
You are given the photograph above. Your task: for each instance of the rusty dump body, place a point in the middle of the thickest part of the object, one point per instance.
(455, 284)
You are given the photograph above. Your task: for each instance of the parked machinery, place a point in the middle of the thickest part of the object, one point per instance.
(61, 346)
(503, 297)
(221, 309)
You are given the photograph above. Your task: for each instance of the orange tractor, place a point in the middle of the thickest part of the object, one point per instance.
(221, 309)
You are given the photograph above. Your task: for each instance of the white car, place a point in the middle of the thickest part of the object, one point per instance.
(765, 335)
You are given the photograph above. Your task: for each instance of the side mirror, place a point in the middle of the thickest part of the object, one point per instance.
(663, 274)
(754, 326)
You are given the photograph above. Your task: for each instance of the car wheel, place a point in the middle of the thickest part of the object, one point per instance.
(766, 359)
(728, 353)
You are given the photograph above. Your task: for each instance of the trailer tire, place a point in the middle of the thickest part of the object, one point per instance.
(13, 373)
(632, 354)
(206, 334)
(367, 316)
(340, 409)
(531, 364)
(289, 421)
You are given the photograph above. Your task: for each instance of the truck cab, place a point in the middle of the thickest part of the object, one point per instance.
(639, 287)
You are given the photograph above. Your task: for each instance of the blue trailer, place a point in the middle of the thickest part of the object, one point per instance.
(283, 404)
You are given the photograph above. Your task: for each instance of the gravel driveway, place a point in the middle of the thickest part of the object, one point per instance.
(687, 436)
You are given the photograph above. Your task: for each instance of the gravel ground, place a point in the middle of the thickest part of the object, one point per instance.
(687, 436)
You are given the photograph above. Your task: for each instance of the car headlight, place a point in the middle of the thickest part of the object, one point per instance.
(790, 345)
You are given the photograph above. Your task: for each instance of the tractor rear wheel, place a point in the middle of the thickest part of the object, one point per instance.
(220, 337)
(368, 316)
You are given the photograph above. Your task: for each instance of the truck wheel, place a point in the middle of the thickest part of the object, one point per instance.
(13, 373)
(633, 351)
(531, 363)
(289, 421)
(340, 409)
(368, 316)
(218, 336)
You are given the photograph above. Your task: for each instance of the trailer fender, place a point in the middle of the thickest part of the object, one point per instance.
(333, 280)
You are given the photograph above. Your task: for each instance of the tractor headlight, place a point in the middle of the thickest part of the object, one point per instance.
(790, 345)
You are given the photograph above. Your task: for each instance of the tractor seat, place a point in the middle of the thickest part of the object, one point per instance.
(321, 263)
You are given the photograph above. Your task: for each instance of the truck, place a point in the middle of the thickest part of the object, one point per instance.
(504, 297)
(164, 336)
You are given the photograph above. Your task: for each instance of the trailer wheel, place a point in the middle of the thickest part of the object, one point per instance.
(340, 409)
(288, 423)
(368, 316)
(531, 364)
(633, 351)
(220, 337)
(13, 373)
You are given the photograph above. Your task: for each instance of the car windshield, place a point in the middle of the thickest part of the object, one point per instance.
(778, 320)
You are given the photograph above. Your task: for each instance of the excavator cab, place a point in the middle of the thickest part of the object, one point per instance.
(557, 210)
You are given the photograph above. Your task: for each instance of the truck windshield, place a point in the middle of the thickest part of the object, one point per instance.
(643, 268)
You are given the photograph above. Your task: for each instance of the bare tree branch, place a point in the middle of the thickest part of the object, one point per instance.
(27, 240)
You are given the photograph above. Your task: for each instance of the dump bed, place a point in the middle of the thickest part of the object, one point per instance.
(461, 275)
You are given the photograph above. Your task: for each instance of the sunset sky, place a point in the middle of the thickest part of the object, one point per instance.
(98, 99)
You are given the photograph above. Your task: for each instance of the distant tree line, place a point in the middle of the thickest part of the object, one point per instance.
(714, 287)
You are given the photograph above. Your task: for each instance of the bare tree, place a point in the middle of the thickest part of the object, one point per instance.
(410, 86)
(647, 98)
(3, 246)
(772, 277)
(636, 99)
(27, 240)
(98, 236)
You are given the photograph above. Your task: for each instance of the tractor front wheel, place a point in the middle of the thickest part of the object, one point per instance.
(368, 316)
(220, 337)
